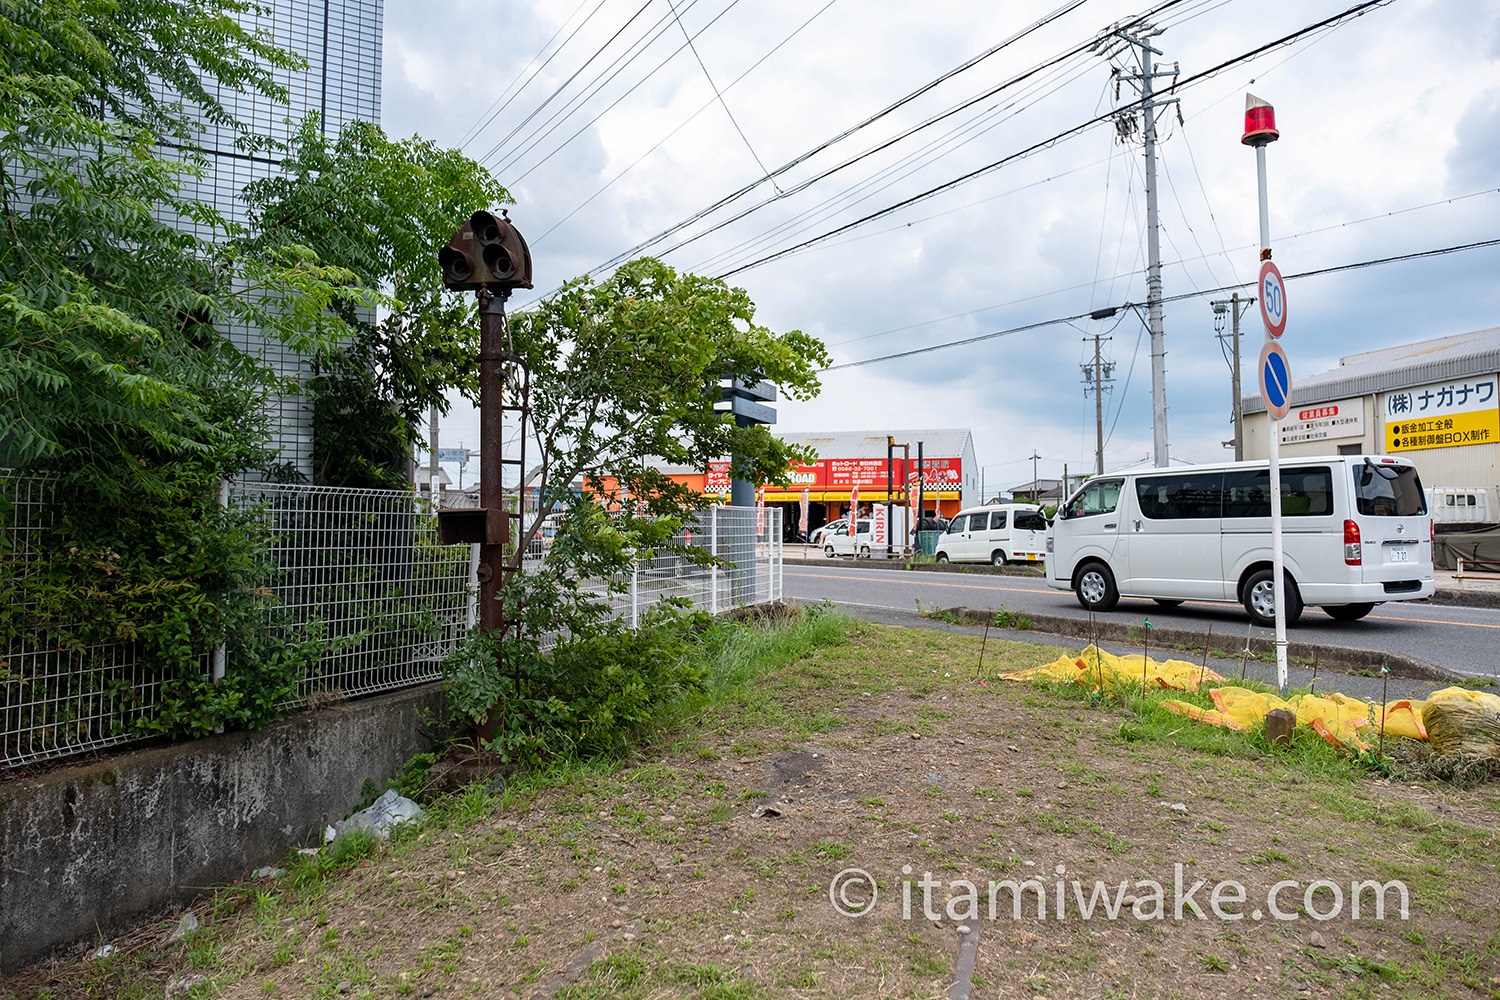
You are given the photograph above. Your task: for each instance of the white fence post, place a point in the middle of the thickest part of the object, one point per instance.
(713, 550)
(635, 594)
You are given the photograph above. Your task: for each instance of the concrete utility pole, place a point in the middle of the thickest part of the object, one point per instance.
(1036, 487)
(1233, 307)
(1094, 378)
(432, 455)
(1143, 82)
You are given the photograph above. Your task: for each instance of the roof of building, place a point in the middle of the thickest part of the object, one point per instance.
(944, 443)
(1444, 359)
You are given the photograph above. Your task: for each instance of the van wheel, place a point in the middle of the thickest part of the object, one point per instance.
(997, 558)
(1348, 612)
(1167, 602)
(941, 557)
(1095, 587)
(828, 551)
(1259, 598)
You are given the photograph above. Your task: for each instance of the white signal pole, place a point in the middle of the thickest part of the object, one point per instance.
(1260, 131)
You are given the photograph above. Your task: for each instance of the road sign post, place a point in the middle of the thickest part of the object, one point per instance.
(1275, 371)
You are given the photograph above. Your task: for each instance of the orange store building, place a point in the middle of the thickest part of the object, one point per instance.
(850, 459)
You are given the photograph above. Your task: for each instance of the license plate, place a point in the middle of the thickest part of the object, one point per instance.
(1397, 553)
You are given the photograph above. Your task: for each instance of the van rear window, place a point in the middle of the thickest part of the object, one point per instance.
(1388, 490)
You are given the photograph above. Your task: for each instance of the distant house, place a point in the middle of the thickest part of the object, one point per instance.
(1042, 491)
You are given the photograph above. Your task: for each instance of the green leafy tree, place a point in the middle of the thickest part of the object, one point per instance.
(377, 208)
(113, 378)
(624, 377)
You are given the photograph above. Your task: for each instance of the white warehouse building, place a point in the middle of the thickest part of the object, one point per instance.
(1436, 402)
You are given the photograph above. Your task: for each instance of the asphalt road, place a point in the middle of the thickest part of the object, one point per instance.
(1461, 639)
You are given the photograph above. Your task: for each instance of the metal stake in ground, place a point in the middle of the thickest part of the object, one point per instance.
(1314, 685)
(1385, 680)
(1245, 655)
(1207, 644)
(1145, 650)
(979, 670)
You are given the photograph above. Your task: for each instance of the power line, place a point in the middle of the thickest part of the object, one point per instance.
(564, 85)
(733, 196)
(482, 122)
(621, 62)
(634, 163)
(1171, 263)
(1199, 293)
(715, 88)
(1354, 11)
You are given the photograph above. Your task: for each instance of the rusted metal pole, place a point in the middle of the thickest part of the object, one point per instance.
(491, 456)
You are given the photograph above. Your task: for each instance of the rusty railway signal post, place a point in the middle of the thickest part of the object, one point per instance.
(488, 255)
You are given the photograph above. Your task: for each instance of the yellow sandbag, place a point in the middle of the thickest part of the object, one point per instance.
(1197, 714)
(1099, 668)
(1401, 718)
(1246, 707)
(1342, 717)
(1462, 721)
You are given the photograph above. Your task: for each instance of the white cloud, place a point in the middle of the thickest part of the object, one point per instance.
(1390, 111)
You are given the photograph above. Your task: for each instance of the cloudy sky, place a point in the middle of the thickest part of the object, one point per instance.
(607, 128)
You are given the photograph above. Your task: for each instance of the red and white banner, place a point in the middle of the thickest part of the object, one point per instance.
(802, 521)
(853, 507)
(878, 534)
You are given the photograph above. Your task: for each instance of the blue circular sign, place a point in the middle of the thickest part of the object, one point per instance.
(1275, 380)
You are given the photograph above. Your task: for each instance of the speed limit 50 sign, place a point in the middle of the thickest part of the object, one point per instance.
(1272, 299)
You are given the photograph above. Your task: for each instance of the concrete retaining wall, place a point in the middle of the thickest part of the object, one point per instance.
(96, 849)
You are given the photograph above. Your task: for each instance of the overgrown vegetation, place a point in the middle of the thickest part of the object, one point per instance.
(648, 873)
(118, 387)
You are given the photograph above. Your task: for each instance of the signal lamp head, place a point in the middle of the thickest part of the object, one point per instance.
(486, 252)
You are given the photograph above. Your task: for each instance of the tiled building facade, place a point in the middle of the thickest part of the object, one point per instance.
(341, 43)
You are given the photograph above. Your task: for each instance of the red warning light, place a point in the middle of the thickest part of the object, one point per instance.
(1260, 122)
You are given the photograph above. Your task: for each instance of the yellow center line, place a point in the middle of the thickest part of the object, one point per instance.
(1032, 590)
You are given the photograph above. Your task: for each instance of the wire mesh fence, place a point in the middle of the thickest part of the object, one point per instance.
(359, 571)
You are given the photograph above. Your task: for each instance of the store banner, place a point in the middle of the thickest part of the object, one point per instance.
(802, 520)
(877, 528)
(1323, 422)
(760, 511)
(853, 508)
(1443, 415)
(716, 481)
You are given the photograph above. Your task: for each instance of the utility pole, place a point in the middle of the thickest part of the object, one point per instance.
(1143, 82)
(1036, 487)
(432, 456)
(1233, 307)
(1095, 377)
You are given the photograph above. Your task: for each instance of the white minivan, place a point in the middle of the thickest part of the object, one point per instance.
(841, 543)
(1355, 533)
(996, 534)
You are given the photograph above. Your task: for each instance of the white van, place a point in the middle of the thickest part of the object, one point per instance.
(1355, 533)
(841, 543)
(996, 534)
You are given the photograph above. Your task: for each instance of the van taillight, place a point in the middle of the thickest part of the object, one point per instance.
(1352, 556)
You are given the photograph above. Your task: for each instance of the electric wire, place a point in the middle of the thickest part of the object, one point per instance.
(606, 76)
(1118, 275)
(496, 107)
(1197, 293)
(564, 85)
(1354, 11)
(704, 107)
(715, 88)
(1062, 10)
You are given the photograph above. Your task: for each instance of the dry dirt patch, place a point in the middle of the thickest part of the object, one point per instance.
(704, 871)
